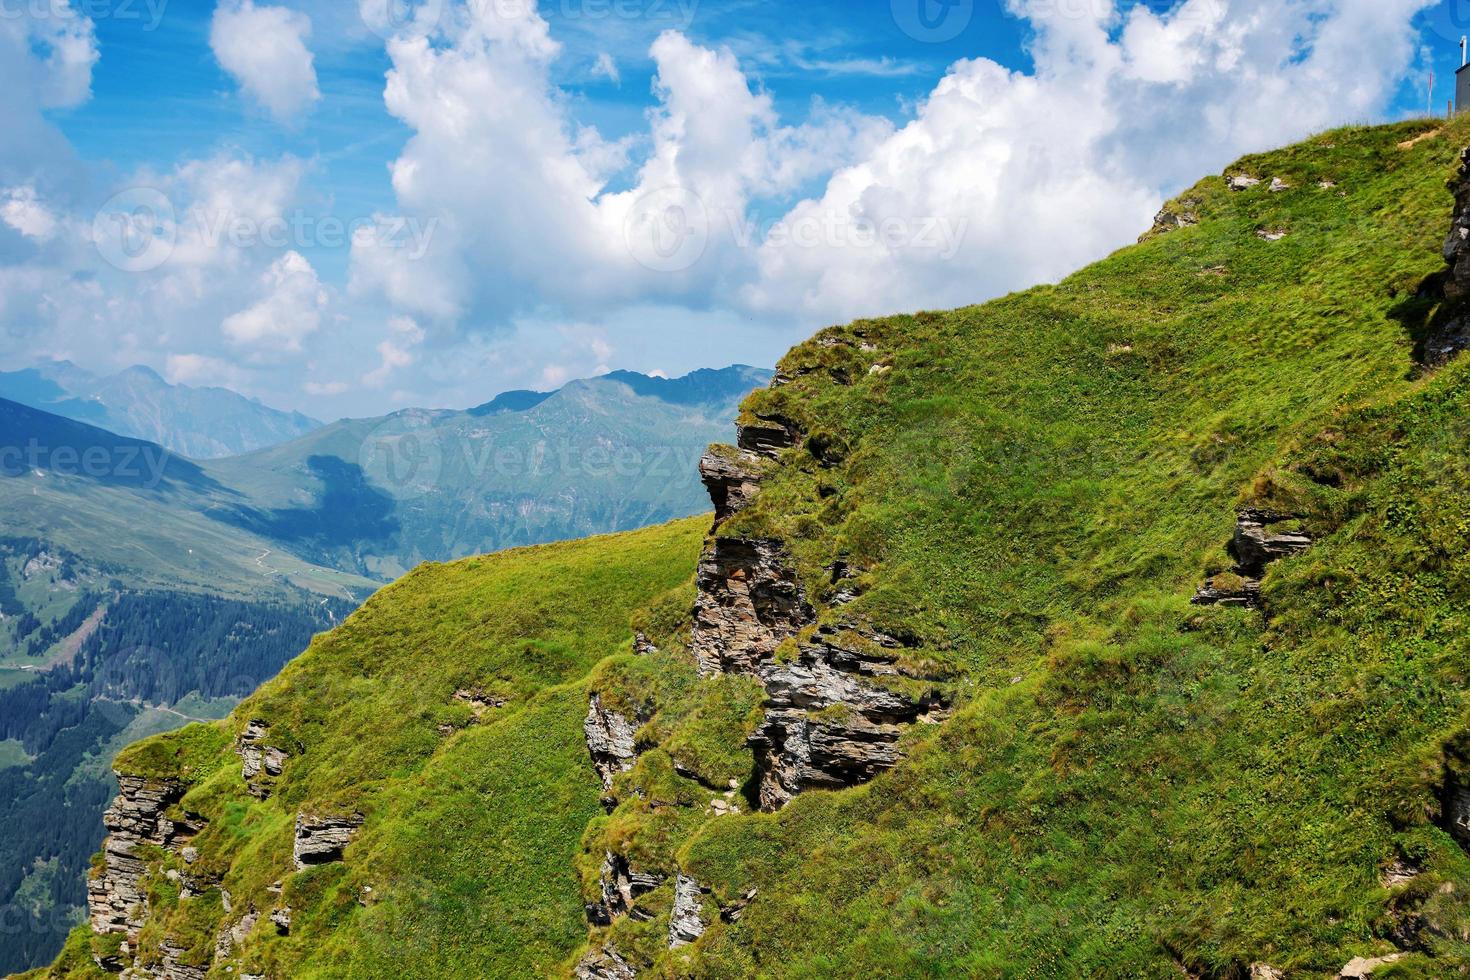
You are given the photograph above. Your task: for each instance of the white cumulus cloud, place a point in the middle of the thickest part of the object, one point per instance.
(264, 49)
(289, 310)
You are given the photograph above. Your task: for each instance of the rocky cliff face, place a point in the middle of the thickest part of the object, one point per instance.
(117, 893)
(828, 723)
(749, 601)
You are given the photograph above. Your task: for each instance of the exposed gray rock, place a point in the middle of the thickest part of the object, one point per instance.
(232, 936)
(1260, 971)
(1270, 234)
(1171, 217)
(259, 760)
(1225, 591)
(170, 967)
(610, 740)
(686, 922)
(642, 645)
(1242, 182)
(1447, 343)
(622, 885)
(769, 435)
(1399, 872)
(1455, 808)
(1457, 244)
(732, 476)
(1254, 547)
(826, 726)
(749, 600)
(604, 964)
(733, 911)
(1362, 966)
(321, 840)
(281, 919)
(1278, 185)
(116, 894)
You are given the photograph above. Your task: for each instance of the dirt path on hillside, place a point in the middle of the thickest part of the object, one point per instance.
(67, 649)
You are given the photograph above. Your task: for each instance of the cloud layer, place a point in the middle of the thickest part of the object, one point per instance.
(523, 245)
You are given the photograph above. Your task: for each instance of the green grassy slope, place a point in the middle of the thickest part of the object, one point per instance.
(480, 826)
(1130, 786)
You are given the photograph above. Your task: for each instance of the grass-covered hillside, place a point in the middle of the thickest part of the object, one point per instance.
(1019, 501)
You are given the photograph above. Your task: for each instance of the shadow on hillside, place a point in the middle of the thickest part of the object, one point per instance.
(1424, 315)
(349, 511)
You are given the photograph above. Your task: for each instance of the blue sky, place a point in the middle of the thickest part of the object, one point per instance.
(1000, 142)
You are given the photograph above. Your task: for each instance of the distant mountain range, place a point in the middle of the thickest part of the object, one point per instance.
(140, 588)
(203, 423)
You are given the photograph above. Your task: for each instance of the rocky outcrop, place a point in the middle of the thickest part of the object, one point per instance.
(610, 740)
(260, 762)
(622, 885)
(171, 965)
(231, 936)
(826, 727)
(604, 964)
(749, 600)
(732, 477)
(769, 435)
(1362, 967)
(1455, 808)
(1457, 244)
(1452, 336)
(322, 840)
(1254, 547)
(116, 893)
(1172, 217)
(686, 921)
(281, 919)
(1241, 182)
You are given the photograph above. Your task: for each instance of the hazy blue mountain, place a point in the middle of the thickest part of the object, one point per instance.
(204, 423)
(375, 497)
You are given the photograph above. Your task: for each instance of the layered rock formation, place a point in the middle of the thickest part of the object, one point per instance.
(610, 741)
(827, 724)
(322, 839)
(1453, 335)
(686, 922)
(1253, 547)
(260, 763)
(604, 964)
(622, 885)
(749, 600)
(732, 476)
(117, 894)
(1171, 217)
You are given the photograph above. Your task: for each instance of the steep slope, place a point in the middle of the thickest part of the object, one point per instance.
(1116, 628)
(203, 423)
(140, 590)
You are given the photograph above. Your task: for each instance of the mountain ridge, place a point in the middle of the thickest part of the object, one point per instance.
(940, 693)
